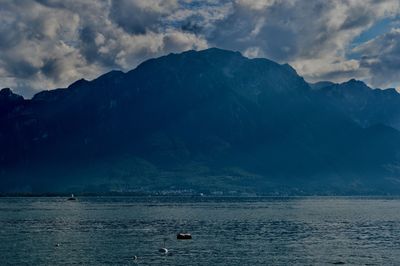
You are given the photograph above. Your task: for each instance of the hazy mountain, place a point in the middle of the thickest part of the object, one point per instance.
(365, 105)
(209, 120)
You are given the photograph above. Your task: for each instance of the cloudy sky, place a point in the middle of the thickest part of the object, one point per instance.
(45, 44)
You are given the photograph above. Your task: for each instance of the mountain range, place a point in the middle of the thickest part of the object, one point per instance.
(210, 121)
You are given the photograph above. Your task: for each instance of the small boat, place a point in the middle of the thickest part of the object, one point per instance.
(72, 197)
(183, 236)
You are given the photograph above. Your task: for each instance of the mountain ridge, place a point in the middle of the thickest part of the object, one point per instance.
(208, 120)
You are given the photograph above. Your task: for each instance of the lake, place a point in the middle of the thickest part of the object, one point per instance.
(226, 231)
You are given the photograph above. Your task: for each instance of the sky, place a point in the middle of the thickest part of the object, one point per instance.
(48, 44)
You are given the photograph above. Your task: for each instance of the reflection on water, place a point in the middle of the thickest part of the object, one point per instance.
(226, 231)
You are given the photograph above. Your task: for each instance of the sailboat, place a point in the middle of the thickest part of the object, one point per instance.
(72, 197)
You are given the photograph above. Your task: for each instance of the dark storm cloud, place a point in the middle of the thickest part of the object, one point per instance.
(22, 69)
(51, 43)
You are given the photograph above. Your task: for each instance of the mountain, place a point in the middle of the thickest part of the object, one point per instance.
(208, 120)
(364, 105)
(321, 84)
(9, 100)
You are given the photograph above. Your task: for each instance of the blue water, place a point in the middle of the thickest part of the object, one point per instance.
(226, 231)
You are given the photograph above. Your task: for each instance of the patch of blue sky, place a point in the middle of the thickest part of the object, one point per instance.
(380, 27)
(375, 30)
(201, 3)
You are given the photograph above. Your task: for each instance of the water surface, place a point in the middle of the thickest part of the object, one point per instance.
(226, 231)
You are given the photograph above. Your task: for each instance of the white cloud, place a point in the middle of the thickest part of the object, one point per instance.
(57, 42)
(314, 36)
(50, 43)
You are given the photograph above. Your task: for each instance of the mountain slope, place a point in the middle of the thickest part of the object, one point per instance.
(365, 105)
(207, 120)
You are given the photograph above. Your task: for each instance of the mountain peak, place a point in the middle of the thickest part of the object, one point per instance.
(290, 68)
(215, 50)
(7, 94)
(109, 75)
(355, 85)
(211, 50)
(78, 83)
(355, 82)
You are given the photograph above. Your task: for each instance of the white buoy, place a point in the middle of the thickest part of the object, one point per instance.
(163, 250)
(135, 260)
